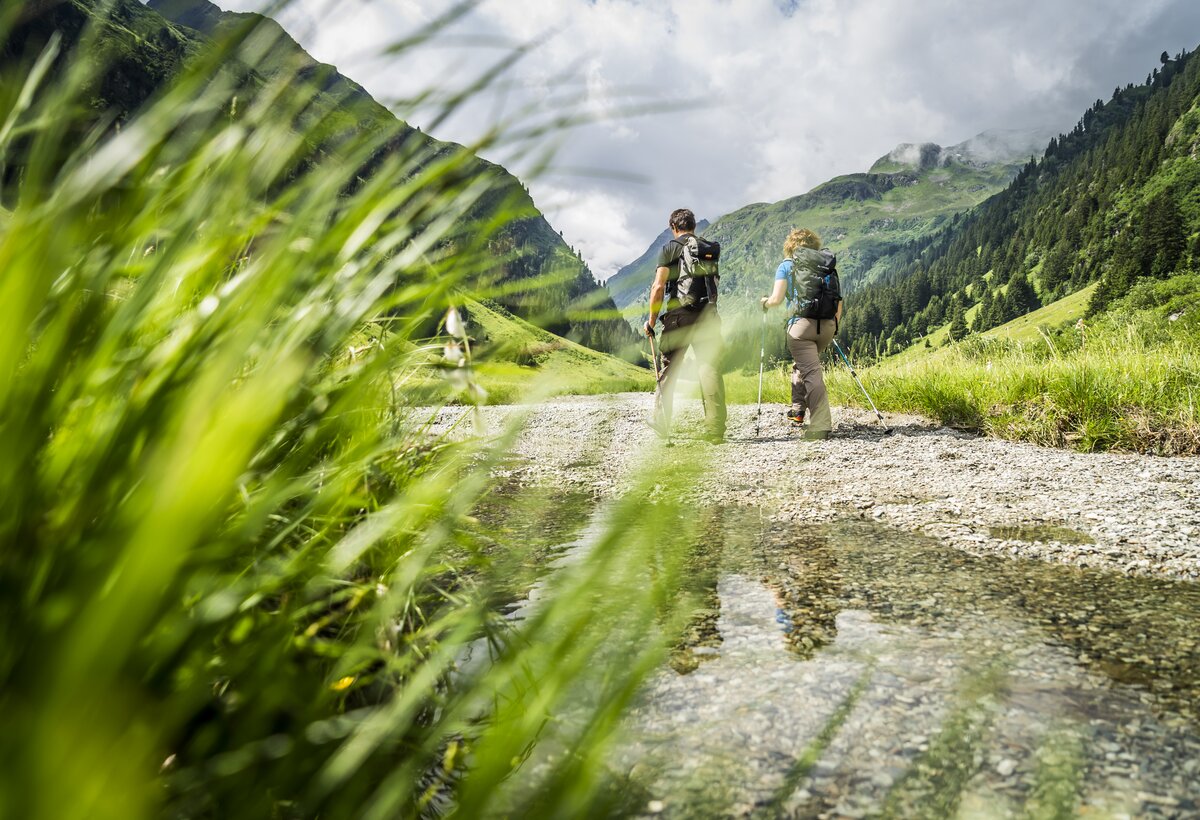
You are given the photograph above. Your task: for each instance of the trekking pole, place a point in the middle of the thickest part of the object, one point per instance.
(857, 381)
(762, 355)
(664, 432)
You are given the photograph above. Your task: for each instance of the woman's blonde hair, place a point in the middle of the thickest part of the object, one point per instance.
(801, 238)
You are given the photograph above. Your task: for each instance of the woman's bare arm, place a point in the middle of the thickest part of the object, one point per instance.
(777, 295)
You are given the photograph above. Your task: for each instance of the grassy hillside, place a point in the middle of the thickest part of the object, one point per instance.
(516, 361)
(1058, 314)
(1029, 328)
(1127, 380)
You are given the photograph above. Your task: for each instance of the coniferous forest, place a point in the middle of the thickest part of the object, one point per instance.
(1113, 201)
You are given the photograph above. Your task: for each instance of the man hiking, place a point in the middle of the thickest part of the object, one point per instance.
(686, 278)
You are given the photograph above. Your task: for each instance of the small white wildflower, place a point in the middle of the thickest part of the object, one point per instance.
(208, 306)
(454, 324)
(453, 353)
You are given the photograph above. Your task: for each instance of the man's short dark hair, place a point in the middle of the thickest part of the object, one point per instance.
(683, 220)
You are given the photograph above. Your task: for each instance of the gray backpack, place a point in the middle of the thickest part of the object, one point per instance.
(699, 272)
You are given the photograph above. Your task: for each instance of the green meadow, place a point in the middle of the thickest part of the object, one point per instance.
(1126, 380)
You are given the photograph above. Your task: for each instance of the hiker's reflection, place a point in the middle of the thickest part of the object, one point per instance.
(807, 582)
(804, 576)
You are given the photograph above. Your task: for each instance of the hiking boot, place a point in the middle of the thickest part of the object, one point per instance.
(713, 438)
(663, 431)
(816, 435)
(795, 418)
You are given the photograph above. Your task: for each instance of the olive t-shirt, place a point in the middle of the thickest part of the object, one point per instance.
(670, 253)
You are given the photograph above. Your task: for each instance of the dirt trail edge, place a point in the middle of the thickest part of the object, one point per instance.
(1131, 513)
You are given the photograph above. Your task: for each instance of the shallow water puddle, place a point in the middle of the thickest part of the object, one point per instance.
(859, 671)
(1044, 532)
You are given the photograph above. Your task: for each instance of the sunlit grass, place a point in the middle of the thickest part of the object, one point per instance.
(239, 567)
(1130, 381)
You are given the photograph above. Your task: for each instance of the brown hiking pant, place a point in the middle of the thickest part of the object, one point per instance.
(808, 384)
(700, 330)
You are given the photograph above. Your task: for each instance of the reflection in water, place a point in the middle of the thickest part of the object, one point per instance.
(860, 671)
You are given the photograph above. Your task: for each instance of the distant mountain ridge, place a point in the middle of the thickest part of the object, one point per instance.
(908, 195)
(993, 147)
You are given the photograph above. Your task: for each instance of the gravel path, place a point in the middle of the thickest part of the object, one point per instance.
(1135, 514)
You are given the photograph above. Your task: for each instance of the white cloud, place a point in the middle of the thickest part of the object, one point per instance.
(594, 222)
(791, 99)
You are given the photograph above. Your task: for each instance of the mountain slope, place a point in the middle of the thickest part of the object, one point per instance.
(516, 360)
(140, 52)
(1115, 201)
(908, 194)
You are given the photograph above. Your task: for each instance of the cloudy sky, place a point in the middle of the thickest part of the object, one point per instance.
(792, 92)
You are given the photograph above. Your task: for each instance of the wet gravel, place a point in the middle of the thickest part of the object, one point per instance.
(1136, 514)
(855, 670)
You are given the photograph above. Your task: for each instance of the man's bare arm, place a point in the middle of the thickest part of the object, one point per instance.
(658, 292)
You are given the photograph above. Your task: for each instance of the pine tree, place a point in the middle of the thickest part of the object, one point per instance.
(1162, 235)
(958, 324)
(1021, 297)
(983, 317)
(1056, 270)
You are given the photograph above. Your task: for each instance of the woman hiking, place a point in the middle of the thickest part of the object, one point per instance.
(807, 280)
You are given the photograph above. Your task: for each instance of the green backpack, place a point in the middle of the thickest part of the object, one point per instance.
(814, 290)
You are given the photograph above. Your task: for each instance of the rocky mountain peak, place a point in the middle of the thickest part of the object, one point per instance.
(1009, 146)
(919, 156)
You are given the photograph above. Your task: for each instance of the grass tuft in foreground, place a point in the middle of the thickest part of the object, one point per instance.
(238, 572)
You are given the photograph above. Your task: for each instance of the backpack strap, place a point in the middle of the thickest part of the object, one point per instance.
(682, 246)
